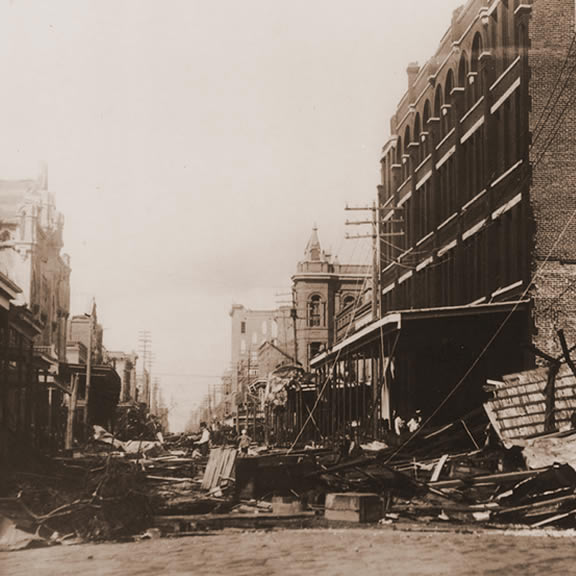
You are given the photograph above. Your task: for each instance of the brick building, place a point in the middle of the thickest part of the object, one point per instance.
(323, 288)
(478, 217)
(249, 330)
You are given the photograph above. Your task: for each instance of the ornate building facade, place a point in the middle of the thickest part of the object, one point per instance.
(323, 288)
(34, 332)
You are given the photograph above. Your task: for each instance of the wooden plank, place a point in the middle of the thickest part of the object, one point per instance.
(228, 469)
(220, 466)
(536, 505)
(553, 519)
(217, 464)
(438, 468)
(209, 472)
(490, 478)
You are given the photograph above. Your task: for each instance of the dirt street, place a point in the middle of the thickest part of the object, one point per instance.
(359, 552)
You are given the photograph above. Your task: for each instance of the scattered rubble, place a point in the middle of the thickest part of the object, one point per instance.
(461, 473)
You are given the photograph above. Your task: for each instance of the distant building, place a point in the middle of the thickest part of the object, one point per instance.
(79, 332)
(125, 365)
(31, 251)
(250, 328)
(323, 288)
(31, 257)
(92, 374)
(270, 356)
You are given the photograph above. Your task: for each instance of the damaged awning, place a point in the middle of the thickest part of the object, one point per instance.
(396, 320)
(105, 387)
(387, 324)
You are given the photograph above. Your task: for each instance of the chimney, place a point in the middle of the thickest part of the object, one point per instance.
(412, 71)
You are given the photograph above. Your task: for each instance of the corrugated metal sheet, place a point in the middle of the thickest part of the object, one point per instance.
(518, 407)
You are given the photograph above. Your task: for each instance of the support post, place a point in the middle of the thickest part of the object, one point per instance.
(71, 412)
(89, 365)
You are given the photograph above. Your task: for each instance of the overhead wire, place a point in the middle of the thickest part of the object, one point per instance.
(491, 340)
(549, 106)
(330, 373)
(541, 124)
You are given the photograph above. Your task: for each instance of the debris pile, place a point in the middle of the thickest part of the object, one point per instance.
(478, 470)
(107, 489)
(91, 498)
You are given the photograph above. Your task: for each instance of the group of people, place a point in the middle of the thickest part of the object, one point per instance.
(402, 426)
(204, 440)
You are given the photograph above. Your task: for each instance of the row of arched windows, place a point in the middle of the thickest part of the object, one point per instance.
(441, 107)
(316, 309)
(467, 75)
(481, 155)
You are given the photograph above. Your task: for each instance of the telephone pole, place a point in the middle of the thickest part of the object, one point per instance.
(377, 236)
(375, 250)
(145, 350)
(89, 360)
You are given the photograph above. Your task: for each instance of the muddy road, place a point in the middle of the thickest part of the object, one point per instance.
(358, 552)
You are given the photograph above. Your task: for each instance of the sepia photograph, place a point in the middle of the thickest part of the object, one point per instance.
(287, 287)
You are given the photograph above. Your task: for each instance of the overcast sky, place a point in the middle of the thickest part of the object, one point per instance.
(192, 145)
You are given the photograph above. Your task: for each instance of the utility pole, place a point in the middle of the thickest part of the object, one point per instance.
(89, 360)
(375, 250)
(377, 236)
(145, 350)
(294, 316)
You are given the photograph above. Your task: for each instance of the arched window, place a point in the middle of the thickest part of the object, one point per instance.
(448, 87)
(438, 101)
(406, 161)
(347, 301)
(426, 114)
(463, 70)
(417, 136)
(476, 91)
(425, 117)
(463, 73)
(315, 311)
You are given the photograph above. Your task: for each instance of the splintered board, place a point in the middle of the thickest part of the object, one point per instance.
(220, 467)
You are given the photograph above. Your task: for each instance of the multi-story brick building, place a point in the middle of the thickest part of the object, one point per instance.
(250, 329)
(478, 212)
(323, 288)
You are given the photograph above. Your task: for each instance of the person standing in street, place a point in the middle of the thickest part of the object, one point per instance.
(203, 443)
(244, 442)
